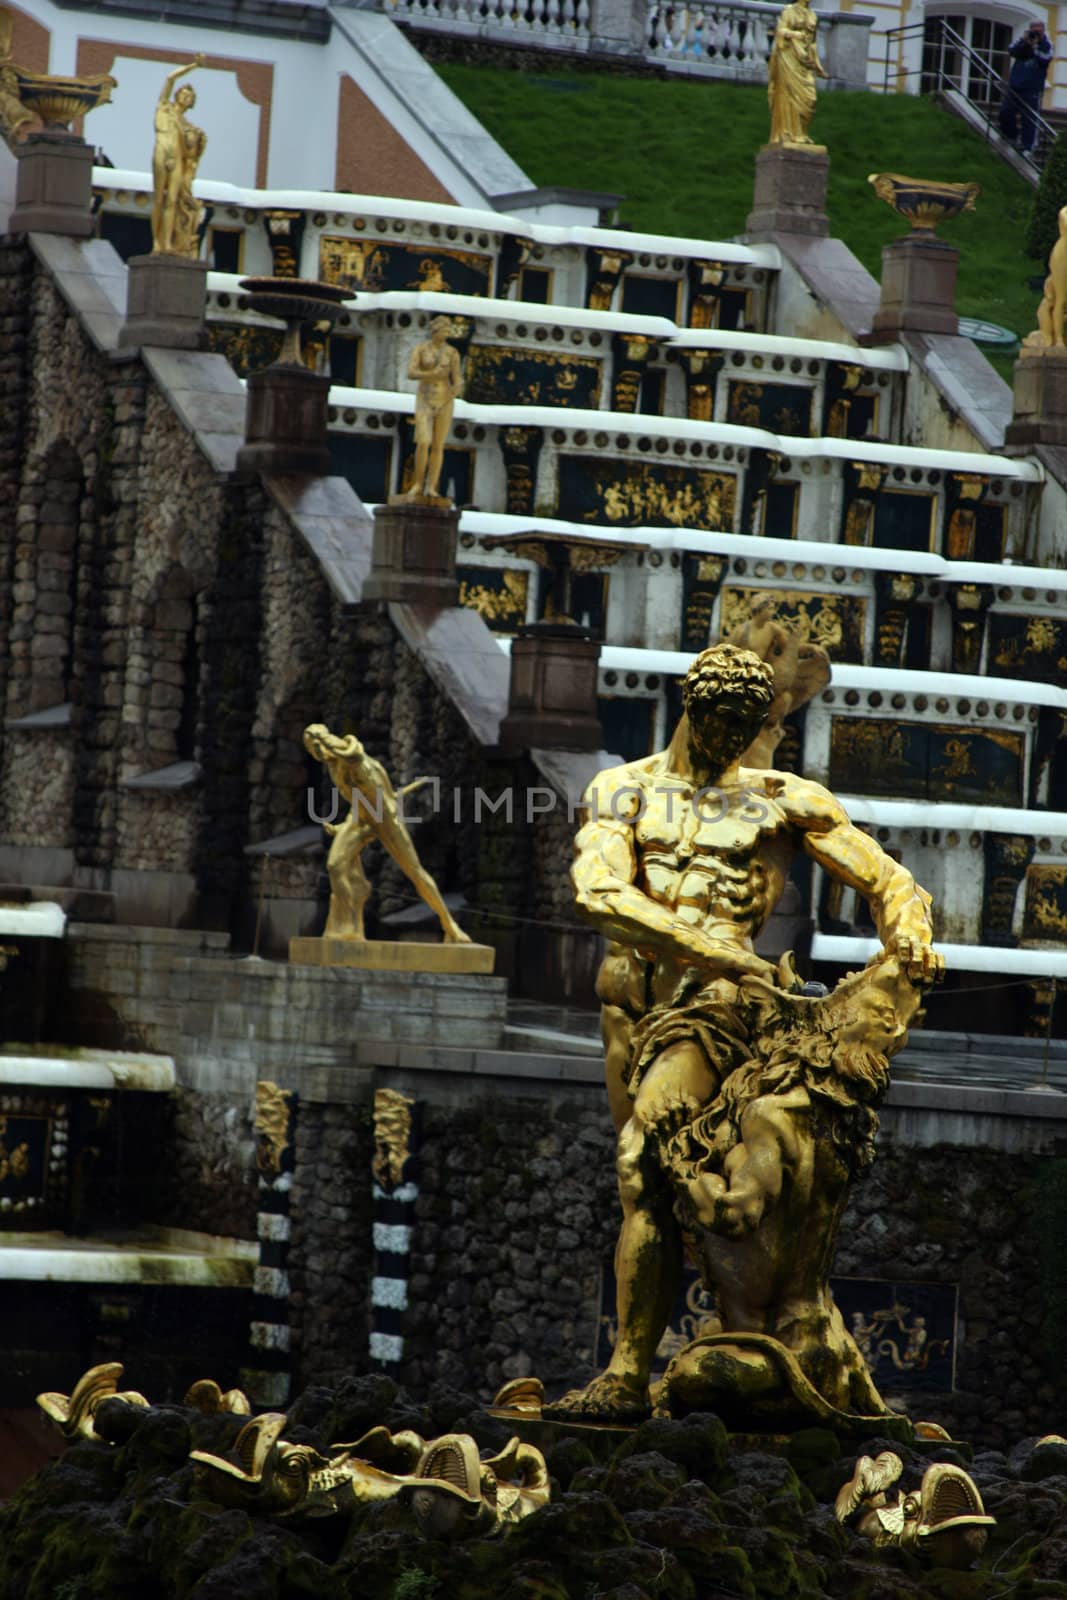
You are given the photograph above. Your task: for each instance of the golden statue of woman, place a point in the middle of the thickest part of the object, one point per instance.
(791, 74)
(178, 148)
(435, 366)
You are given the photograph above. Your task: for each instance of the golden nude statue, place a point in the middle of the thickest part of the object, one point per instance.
(683, 858)
(175, 158)
(1050, 313)
(791, 74)
(375, 814)
(435, 366)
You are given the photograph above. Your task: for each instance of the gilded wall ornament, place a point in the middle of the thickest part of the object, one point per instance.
(271, 1121)
(392, 1136)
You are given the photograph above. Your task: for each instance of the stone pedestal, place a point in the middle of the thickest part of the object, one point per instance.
(387, 955)
(918, 288)
(1039, 401)
(166, 298)
(552, 697)
(790, 192)
(414, 554)
(285, 422)
(54, 187)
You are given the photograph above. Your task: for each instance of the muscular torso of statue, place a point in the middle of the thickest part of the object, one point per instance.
(720, 864)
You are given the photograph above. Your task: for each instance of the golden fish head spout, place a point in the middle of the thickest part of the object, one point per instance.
(921, 201)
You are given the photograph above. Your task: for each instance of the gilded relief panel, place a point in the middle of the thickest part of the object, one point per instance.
(1028, 647)
(781, 407)
(1045, 912)
(247, 349)
(375, 265)
(834, 621)
(926, 761)
(906, 1332)
(635, 493)
(498, 375)
(497, 594)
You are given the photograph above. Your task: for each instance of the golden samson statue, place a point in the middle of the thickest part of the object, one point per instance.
(745, 1105)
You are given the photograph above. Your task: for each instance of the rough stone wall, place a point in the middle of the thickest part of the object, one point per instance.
(37, 789)
(517, 1212)
(331, 1254)
(984, 1221)
(208, 1181)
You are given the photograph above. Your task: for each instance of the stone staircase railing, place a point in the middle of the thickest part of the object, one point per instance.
(708, 38)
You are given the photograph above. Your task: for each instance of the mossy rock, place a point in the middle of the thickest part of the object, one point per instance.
(699, 1443)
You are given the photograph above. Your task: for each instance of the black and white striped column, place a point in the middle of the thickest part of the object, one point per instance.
(268, 1375)
(395, 1192)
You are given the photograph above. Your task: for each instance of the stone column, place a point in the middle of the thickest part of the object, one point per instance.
(918, 288)
(1039, 401)
(552, 696)
(54, 187)
(166, 297)
(285, 422)
(414, 554)
(790, 192)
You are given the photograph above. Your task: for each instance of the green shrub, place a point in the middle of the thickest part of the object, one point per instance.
(1042, 230)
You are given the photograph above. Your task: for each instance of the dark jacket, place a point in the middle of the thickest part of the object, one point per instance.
(1030, 63)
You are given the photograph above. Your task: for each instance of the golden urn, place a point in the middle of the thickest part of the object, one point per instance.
(58, 101)
(921, 201)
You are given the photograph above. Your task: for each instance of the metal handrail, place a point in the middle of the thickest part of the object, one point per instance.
(949, 39)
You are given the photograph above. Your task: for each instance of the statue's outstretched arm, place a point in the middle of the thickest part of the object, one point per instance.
(901, 909)
(179, 72)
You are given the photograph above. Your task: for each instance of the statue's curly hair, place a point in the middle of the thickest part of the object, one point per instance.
(726, 672)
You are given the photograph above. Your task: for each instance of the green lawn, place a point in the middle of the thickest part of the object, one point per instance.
(683, 154)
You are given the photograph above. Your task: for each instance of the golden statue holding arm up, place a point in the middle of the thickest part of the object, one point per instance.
(178, 149)
(791, 74)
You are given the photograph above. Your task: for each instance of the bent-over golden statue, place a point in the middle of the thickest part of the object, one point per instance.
(683, 858)
(178, 148)
(1049, 334)
(375, 814)
(791, 74)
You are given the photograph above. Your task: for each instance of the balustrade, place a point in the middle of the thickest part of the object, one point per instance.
(735, 36)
